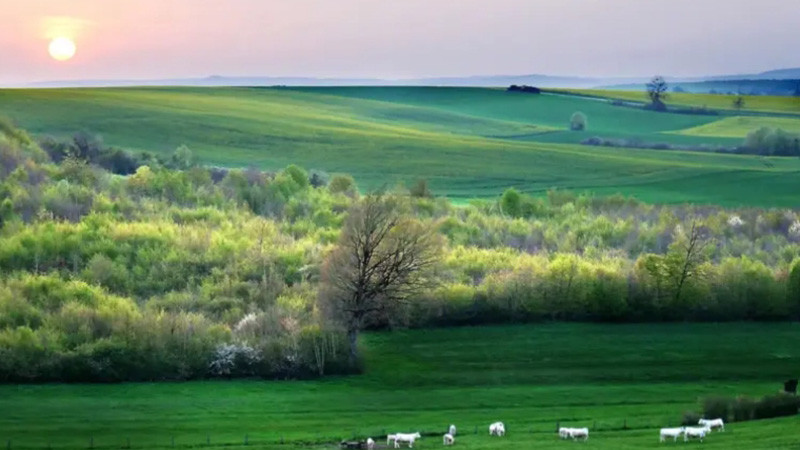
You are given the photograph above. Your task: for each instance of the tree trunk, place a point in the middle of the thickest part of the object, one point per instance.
(352, 338)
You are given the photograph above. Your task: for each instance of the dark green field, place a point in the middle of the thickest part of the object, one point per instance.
(623, 381)
(467, 142)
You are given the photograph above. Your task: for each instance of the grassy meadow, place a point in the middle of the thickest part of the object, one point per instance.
(623, 381)
(468, 142)
(759, 103)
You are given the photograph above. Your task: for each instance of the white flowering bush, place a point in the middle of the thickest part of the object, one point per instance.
(735, 221)
(794, 228)
(234, 359)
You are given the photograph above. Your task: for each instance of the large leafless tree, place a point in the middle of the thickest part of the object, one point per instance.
(382, 258)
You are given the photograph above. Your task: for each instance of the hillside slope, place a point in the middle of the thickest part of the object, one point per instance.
(466, 142)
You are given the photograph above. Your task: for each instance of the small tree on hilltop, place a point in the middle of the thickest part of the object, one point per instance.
(382, 258)
(738, 103)
(657, 93)
(578, 122)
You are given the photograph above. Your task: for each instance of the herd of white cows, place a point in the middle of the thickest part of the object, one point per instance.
(499, 429)
(692, 432)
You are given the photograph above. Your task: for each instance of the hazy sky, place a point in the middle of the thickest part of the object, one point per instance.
(396, 38)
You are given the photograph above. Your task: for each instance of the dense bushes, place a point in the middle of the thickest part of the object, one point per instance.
(742, 408)
(772, 142)
(208, 272)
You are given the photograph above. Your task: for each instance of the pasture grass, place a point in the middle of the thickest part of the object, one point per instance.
(623, 381)
(740, 126)
(467, 142)
(760, 103)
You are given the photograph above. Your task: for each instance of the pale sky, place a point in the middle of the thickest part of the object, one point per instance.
(139, 39)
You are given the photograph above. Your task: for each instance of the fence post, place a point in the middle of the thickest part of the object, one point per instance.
(558, 425)
(173, 441)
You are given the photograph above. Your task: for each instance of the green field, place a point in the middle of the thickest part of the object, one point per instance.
(623, 381)
(738, 127)
(468, 142)
(761, 103)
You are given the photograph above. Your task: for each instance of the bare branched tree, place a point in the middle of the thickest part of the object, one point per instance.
(686, 258)
(657, 92)
(383, 257)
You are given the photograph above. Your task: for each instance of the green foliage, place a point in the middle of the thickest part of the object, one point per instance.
(578, 122)
(95, 267)
(772, 141)
(742, 408)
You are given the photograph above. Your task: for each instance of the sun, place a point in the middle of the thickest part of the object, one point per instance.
(62, 49)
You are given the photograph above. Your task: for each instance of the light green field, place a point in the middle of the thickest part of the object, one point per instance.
(623, 381)
(467, 142)
(761, 103)
(739, 127)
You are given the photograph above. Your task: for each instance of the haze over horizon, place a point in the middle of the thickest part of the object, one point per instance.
(153, 39)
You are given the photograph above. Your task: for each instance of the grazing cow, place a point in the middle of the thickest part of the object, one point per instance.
(563, 432)
(448, 439)
(695, 432)
(790, 386)
(576, 433)
(673, 433)
(406, 437)
(497, 429)
(452, 430)
(712, 423)
(390, 438)
(370, 444)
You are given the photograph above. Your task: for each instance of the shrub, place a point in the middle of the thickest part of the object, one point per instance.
(690, 418)
(578, 122)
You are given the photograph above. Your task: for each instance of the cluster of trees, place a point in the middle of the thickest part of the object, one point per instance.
(177, 271)
(772, 142)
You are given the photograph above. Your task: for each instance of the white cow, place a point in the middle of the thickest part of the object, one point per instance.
(563, 432)
(497, 429)
(452, 430)
(370, 444)
(576, 433)
(673, 433)
(712, 423)
(695, 432)
(448, 439)
(406, 437)
(390, 438)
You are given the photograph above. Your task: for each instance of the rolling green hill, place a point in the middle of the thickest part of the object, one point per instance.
(622, 381)
(467, 142)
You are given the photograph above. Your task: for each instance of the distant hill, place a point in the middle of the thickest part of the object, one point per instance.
(539, 80)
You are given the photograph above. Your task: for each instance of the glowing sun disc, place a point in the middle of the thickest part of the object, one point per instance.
(62, 49)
